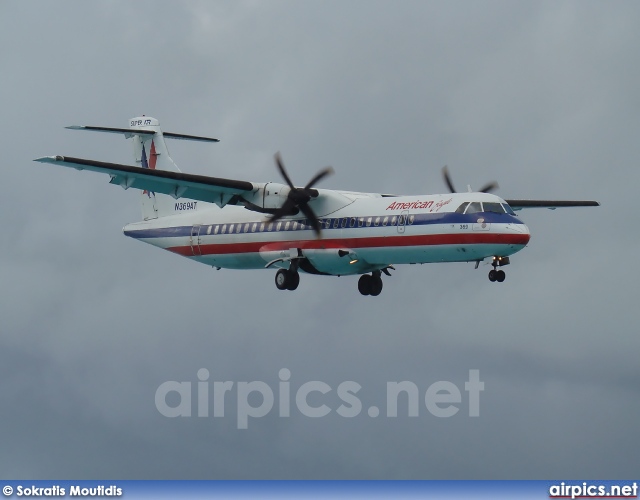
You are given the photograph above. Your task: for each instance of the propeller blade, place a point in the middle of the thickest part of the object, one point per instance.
(283, 172)
(487, 188)
(318, 177)
(492, 186)
(313, 220)
(298, 198)
(447, 179)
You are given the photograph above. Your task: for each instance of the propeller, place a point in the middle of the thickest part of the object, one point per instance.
(298, 198)
(491, 186)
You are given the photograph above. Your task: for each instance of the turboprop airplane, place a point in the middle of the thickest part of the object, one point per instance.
(236, 224)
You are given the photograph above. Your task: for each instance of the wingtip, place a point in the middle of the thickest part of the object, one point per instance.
(49, 159)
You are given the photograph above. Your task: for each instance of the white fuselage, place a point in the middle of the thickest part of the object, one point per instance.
(360, 234)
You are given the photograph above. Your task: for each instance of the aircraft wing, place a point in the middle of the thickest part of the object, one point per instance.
(550, 204)
(176, 184)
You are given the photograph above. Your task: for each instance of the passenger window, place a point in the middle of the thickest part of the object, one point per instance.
(261, 227)
(508, 209)
(230, 228)
(385, 220)
(269, 226)
(209, 229)
(224, 229)
(336, 223)
(394, 219)
(360, 221)
(327, 223)
(253, 228)
(278, 226)
(294, 225)
(217, 228)
(344, 222)
(401, 220)
(460, 209)
(286, 226)
(376, 222)
(369, 222)
(474, 207)
(493, 207)
(246, 228)
(411, 219)
(352, 222)
(239, 228)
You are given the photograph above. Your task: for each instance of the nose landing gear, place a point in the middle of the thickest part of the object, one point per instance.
(498, 276)
(495, 274)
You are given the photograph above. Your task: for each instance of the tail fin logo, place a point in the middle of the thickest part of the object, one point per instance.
(149, 162)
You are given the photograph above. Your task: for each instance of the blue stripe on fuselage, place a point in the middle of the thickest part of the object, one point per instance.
(419, 219)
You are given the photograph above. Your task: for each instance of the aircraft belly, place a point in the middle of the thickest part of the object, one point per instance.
(435, 253)
(233, 261)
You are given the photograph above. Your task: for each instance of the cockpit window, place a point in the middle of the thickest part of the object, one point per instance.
(460, 209)
(493, 207)
(474, 207)
(508, 209)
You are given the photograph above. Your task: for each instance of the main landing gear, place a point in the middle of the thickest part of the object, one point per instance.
(495, 274)
(287, 279)
(370, 284)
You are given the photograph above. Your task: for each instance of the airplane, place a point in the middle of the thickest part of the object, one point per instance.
(236, 224)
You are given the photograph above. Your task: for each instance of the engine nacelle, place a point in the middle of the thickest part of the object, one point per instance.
(269, 196)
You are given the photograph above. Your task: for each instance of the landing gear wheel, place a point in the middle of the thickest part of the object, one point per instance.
(294, 280)
(500, 276)
(376, 286)
(365, 284)
(287, 279)
(282, 279)
(493, 275)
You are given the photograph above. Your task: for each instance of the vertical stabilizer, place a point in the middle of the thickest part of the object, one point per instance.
(150, 151)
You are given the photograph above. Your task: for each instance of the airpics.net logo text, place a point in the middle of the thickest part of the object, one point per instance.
(257, 399)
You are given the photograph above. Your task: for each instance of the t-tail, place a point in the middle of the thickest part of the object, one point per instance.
(150, 151)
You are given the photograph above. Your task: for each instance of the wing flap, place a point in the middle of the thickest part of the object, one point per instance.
(176, 184)
(550, 204)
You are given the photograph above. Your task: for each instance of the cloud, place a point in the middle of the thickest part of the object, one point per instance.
(540, 96)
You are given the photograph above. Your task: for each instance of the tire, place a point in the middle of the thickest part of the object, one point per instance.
(501, 276)
(364, 284)
(282, 279)
(294, 280)
(376, 286)
(493, 275)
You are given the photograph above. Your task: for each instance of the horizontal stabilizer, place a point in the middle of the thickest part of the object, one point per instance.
(130, 132)
(175, 184)
(551, 204)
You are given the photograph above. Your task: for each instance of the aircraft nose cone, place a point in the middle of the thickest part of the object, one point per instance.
(526, 232)
(522, 231)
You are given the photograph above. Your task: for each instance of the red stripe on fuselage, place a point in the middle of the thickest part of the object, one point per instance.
(353, 243)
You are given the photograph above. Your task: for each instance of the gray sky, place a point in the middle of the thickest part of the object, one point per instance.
(541, 96)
